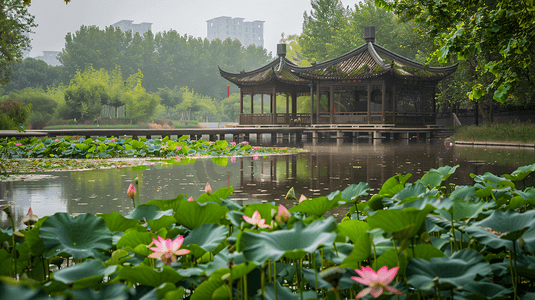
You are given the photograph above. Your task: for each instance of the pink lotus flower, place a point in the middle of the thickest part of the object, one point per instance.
(30, 218)
(18, 145)
(245, 143)
(165, 147)
(233, 143)
(190, 198)
(256, 148)
(178, 148)
(283, 214)
(255, 157)
(178, 159)
(208, 189)
(302, 198)
(256, 221)
(233, 159)
(112, 140)
(131, 192)
(56, 140)
(376, 282)
(167, 249)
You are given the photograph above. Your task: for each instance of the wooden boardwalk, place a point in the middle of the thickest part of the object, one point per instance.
(240, 133)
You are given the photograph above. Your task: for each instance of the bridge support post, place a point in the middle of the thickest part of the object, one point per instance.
(273, 138)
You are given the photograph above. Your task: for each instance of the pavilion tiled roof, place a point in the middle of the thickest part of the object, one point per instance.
(365, 62)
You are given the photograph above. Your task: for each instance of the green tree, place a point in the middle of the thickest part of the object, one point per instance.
(33, 73)
(326, 19)
(15, 21)
(293, 49)
(499, 32)
(14, 114)
(43, 106)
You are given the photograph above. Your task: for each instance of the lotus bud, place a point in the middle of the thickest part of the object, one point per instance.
(283, 214)
(190, 198)
(302, 198)
(233, 159)
(30, 219)
(131, 191)
(521, 243)
(208, 189)
(136, 181)
(290, 195)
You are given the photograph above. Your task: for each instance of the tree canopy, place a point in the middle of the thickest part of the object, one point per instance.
(499, 32)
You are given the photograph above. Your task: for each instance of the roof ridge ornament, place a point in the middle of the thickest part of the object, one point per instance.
(375, 56)
(369, 34)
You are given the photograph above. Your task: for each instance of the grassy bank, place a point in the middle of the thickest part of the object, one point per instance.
(522, 133)
(99, 127)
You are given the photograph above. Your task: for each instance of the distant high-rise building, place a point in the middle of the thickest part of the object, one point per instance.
(50, 57)
(126, 25)
(235, 28)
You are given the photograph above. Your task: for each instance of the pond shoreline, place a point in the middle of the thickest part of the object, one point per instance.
(496, 144)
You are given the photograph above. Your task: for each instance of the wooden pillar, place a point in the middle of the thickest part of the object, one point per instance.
(383, 92)
(423, 106)
(252, 102)
(318, 103)
(369, 88)
(331, 104)
(274, 106)
(294, 102)
(339, 96)
(288, 119)
(262, 103)
(394, 104)
(311, 103)
(241, 101)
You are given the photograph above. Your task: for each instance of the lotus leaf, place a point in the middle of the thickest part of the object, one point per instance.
(285, 293)
(205, 238)
(353, 192)
(108, 292)
(500, 228)
(394, 220)
(463, 193)
(148, 276)
(23, 292)
(172, 295)
(117, 222)
(410, 192)
(316, 206)
(521, 173)
(206, 289)
(456, 271)
(310, 277)
(217, 196)
(357, 233)
(293, 243)
(81, 237)
(192, 214)
(85, 274)
(264, 209)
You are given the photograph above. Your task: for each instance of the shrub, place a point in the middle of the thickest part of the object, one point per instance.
(14, 113)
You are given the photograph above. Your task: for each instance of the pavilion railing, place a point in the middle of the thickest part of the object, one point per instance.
(256, 119)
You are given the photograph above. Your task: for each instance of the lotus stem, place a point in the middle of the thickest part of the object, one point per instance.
(315, 271)
(230, 281)
(263, 281)
(301, 277)
(357, 211)
(245, 288)
(451, 293)
(397, 255)
(452, 240)
(275, 279)
(13, 251)
(269, 270)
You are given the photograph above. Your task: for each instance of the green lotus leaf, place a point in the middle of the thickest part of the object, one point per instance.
(284, 293)
(423, 251)
(501, 228)
(5, 262)
(235, 217)
(394, 220)
(431, 179)
(221, 293)
(390, 260)
(353, 192)
(421, 203)
(264, 209)
(357, 233)
(456, 271)
(316, 206)
(293, 243)
(467, 209)
(206, 289)
(108, 292)
(148, 276)
(393, 185)
(118, 257)
(193, 214)
(310, 277)
(82, 237)
(137, 242)
(117, 222)
(205, 238)
(485, 290)
(463, 193)
(148, 212)
(35, 242)
(410, 192)
(167, 204)
(521, 173)
(85, 274)
(217, 196)
(23, 292)
(173, 295)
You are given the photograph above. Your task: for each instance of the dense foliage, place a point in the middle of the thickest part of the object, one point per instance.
(464, 242)
(119, 147)
(14, 114)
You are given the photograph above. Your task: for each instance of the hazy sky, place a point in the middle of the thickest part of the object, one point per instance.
(55, 18)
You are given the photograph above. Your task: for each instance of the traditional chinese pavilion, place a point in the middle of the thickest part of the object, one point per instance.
(368, 85)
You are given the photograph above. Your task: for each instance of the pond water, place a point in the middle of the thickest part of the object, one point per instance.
(323, 169)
